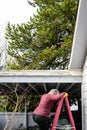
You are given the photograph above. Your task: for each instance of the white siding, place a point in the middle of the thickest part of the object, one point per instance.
(84, 97)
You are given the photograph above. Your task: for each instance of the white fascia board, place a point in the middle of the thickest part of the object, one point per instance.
(79, 48)
(41, 76)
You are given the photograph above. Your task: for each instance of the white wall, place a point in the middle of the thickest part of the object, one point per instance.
(18, 119)
(84, 97)
(15, 121)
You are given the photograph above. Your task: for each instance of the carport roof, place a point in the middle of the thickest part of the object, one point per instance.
(41, 76)
(41, 81)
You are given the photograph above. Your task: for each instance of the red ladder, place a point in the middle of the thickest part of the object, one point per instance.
(58, 110)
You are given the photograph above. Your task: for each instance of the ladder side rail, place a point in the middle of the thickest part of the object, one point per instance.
(58, 110)
(70, 113)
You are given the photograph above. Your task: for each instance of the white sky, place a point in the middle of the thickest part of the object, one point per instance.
(14, 11)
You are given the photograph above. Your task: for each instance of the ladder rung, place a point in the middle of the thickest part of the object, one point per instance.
(63, 127)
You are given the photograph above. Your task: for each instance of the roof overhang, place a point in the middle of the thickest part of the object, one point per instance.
(79, 48)
(41, 76)
(41, 81)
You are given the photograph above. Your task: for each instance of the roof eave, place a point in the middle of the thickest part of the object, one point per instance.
(79, 47)
(41, 76)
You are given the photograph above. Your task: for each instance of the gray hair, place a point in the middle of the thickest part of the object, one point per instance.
(54, 91)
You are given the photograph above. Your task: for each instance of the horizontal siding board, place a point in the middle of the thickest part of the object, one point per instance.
(84, 97)
(85, 102)
(85, 120)
(84, 87)
(85, 94)
(85, 110)
(84, 80)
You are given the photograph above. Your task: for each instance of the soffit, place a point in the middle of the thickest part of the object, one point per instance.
(79, 48)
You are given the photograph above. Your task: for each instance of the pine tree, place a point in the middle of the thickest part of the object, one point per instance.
(45, 42)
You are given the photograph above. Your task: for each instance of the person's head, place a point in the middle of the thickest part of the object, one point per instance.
(54, 91)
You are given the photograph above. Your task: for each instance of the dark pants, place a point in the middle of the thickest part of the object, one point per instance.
(42, 121)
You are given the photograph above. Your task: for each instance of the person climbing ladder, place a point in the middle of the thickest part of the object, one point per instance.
(42, 112)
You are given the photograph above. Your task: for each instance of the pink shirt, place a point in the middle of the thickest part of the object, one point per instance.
(46, 104)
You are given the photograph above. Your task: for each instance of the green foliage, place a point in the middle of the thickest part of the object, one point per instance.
(8, 103)
(45, 42)
(32, 102)
(3, 103)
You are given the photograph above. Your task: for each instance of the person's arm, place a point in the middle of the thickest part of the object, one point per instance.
(56, 97)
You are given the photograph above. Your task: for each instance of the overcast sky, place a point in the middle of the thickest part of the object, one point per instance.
(14, 11)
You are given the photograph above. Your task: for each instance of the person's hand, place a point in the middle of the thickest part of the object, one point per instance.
(66, 95)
